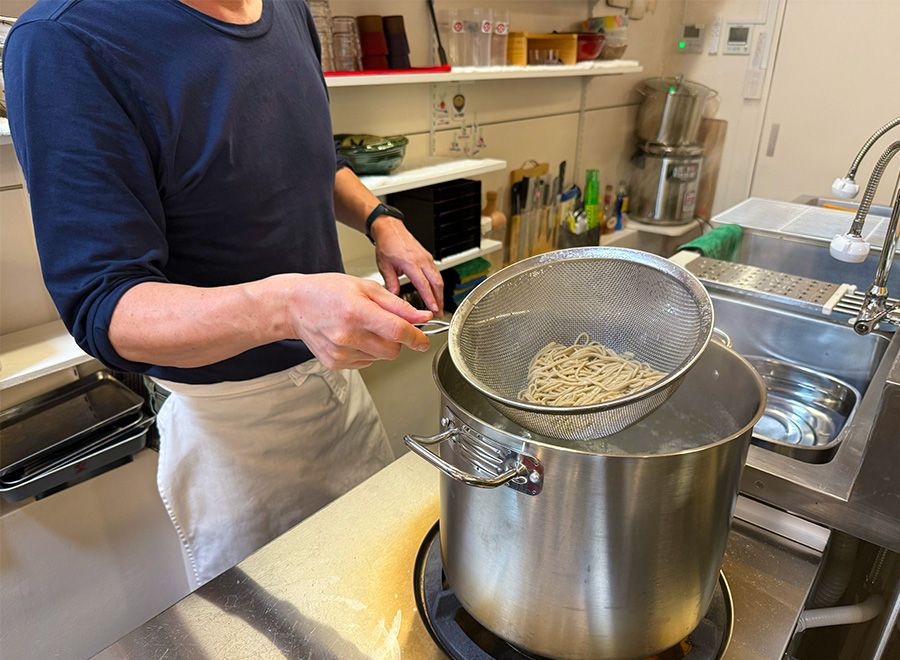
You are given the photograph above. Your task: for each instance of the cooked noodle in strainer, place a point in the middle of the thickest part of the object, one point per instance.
(584, 373)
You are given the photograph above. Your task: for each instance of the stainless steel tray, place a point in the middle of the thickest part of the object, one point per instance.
(51, 460)
(57, 419)
(82, 464)
(805, 412)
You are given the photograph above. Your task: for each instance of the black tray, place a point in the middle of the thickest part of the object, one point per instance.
(62, 417)
(82, 464)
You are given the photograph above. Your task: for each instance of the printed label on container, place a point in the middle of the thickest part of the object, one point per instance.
(457, 27)
(689, 203)
(501, 28)
(486, 27)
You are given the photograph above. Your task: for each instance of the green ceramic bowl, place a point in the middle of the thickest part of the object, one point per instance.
(371, 154)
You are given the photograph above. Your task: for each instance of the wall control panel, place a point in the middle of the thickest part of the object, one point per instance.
(691, 39)
(737, 38)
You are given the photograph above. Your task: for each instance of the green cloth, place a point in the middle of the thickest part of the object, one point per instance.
(723, 243)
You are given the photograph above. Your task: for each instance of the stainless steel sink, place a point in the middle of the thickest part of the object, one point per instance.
(820, 344)
(849, 483)
(855, 490)
(823, 344)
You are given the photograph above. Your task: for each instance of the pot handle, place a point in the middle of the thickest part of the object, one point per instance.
(722, 337)
(419, 444)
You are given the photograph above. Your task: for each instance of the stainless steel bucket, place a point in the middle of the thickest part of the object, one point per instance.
(671, 111)
(608, 548)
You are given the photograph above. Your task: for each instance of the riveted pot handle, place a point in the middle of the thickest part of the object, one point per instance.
(420, 444)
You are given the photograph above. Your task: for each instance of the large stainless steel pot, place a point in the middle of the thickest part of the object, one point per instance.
(601, 549)
(671, 111)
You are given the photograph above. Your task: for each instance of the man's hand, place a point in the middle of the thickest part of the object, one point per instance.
(348, 322)
(398, 253)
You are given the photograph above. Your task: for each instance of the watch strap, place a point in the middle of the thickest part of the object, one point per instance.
(377, 212)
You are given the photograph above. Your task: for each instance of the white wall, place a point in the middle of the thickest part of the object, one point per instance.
(837, 79)
(726, 74)
(830, 81)
(24, 301)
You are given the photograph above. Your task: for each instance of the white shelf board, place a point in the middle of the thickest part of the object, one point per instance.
(5, 137)
(467, 74)
(35, 352)
(436, 170)
(365, 266)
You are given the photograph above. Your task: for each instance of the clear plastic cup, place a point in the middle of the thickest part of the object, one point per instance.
(453, 32)
(499, 37)
(479, 28)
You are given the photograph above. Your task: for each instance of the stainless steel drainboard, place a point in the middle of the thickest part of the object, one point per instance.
(814, 295)
(851, 302)
(767, 284)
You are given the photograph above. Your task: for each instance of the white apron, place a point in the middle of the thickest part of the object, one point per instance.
(242, 462)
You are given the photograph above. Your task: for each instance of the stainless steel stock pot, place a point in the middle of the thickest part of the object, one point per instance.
(605, 548)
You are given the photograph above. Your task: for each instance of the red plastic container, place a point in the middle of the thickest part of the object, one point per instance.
(590, 45)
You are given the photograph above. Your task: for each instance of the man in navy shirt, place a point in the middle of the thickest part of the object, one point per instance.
(184, 187)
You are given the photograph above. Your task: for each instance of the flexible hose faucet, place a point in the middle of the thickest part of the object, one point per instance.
(875, 306)
(851, 247)
(846, 186)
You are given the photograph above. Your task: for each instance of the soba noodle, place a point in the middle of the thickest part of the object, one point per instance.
(584, 373)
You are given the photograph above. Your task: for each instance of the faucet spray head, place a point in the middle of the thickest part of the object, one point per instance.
(845, 187)
(849, 248)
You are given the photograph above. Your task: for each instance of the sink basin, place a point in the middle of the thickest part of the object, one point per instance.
(807, 258)
(813, 402)
(805, 410)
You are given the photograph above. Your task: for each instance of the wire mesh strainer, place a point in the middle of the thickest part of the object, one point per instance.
(626, 299)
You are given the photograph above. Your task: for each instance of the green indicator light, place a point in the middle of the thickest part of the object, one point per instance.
(681, 44)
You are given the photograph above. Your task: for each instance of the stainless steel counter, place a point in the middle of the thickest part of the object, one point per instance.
(340, 585)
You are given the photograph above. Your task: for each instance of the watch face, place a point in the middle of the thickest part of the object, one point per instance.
(393, 212)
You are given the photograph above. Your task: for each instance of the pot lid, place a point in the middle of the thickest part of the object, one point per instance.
(675, 86)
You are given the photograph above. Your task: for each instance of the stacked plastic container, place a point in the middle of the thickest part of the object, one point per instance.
(321, 14)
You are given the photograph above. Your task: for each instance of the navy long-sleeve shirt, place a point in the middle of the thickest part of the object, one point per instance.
(162, 145)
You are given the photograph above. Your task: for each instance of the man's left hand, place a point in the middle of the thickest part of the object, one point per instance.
(398, 253)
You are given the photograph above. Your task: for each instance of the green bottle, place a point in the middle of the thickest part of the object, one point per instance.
(592, 199)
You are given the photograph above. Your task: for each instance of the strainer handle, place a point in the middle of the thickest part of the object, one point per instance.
(722, 337)
(419, 445)
(433, 327)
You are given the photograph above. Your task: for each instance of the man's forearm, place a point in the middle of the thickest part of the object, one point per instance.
(184, 326)
(353, 202)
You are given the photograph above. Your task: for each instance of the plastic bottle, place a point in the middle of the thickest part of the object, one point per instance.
(609, 212)
(621, 204)
(591, 199)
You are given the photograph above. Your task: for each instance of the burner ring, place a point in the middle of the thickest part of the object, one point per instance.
(463, 638)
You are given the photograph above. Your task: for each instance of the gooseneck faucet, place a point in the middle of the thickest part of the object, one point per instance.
(875, 306)
(853, 248)
(846, 186)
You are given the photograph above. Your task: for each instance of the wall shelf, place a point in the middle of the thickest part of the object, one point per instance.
(435, 170)
(365, 266)
(35, 352)
(671, 231)
(468, 74)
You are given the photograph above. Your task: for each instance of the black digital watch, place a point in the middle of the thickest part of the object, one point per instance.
(377, 212)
